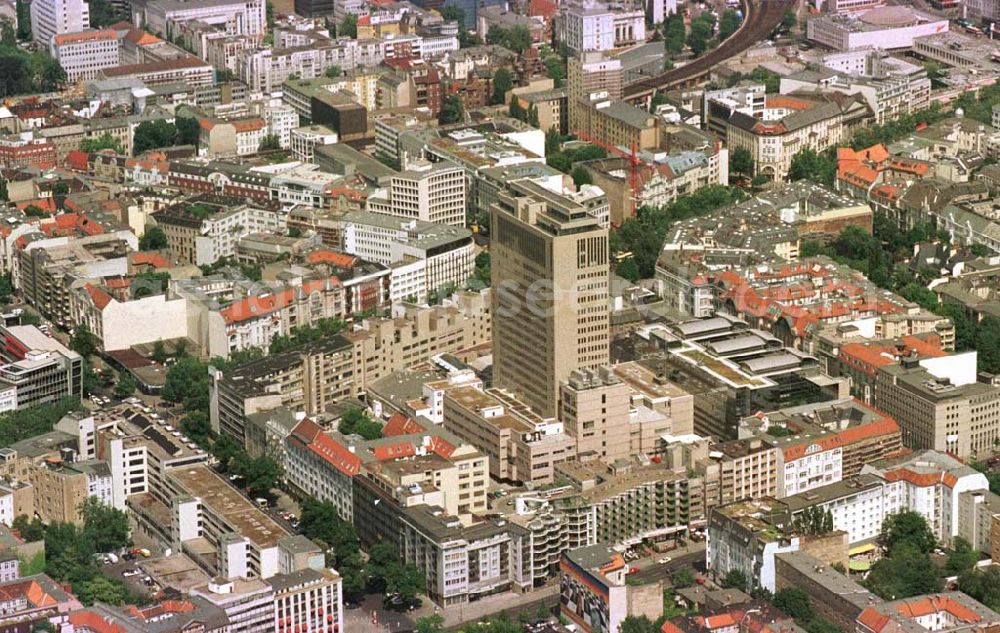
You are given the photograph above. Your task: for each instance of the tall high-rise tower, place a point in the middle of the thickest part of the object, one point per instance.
(550, 275)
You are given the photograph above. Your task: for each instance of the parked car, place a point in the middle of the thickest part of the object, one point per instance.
(664, 560)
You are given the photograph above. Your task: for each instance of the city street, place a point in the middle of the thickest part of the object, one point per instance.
(360, 618)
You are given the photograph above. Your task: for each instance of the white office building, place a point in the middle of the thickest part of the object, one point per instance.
(428, 192)
(591, 25)
(55, 17)
(84, 55)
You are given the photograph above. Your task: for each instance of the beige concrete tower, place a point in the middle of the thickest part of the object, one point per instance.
(550, 276)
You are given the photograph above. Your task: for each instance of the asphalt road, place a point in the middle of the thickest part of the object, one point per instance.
(693, 556)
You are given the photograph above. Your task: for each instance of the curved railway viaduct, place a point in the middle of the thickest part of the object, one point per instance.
(762, 16)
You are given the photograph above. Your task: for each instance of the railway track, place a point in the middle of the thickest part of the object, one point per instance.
(762, 16)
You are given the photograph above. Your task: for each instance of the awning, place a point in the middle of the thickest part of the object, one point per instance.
(859, 565)
(861, 549)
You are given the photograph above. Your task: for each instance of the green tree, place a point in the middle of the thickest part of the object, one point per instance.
(795, 603)
(270, 142)
(682, 578)
(24, 423)
(260, 474)
(741, 161)
(83, 341)
(349, 26)
(502, 83)
(188, 130)
(104, 526)
(153, 135)
(153, 239)
(728, 23)
(906, 571)
(807, 164)
(674, 33)
(333, 71)
(581, 176)
(102, 142)
(822, 625)
(555, 69)
(452, 110)
(198, 427)
(988, 344)
(433, 623)
(962, 557)
(638, 624)
(23, 9)
(516, 38)
(103, 14)
(983, 584)
(101, 589)
(906, 528)
(700, 36)
(187, 383)
(228, 451)
(356, 422)
(788, 20)
(126, 385)
(735, 579)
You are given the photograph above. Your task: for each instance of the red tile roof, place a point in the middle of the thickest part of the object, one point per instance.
(851, 435)
(873, 619)
(77, 160)
(331, 451)
(156, 260)
(262, 305)
(339, 260)
(85, 36)
(400, 424)
(100, 298)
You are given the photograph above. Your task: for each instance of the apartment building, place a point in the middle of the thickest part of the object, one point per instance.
(427, 192)
(243, 17)
(113, 321)
(542, 240)
(138, 448)
(521, 445)
(747, 469)
(309, 598)
(418, 334)
(36, 369)
(460, 563)
(320, 466)
(932, 484)
(46, 267)
(747, 536)
(789, 125)
(824, 442)
(587, 74)
(231, 137)
(255, 320)
(308, 378)
(942, 408)
(594, 407)
(206, 508)
(630, 501)
(61, 488)
(190, 71)
(56, 17)
(83, 55)
(204, 228)
(617, 123)
(592, 25)
(623, 411)
(447, 252)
